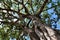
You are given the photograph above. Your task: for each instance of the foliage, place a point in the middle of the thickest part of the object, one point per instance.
(15, 16)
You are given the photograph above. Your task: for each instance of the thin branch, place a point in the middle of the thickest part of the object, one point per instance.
(8, 10)
(42, 7)
(50, 8)
(6, 5)
(28, 23)
(11, 11)
(26, 10)
(10, 23)
(32, 6)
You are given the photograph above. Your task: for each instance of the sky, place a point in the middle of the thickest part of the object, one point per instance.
(50, 11)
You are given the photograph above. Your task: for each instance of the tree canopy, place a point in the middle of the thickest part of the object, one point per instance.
(29, 19)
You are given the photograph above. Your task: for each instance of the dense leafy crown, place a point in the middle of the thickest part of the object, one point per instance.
(15, 16)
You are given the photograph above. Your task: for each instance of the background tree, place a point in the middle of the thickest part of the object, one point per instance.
(29, 19)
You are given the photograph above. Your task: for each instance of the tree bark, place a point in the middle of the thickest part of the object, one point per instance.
(42, 31)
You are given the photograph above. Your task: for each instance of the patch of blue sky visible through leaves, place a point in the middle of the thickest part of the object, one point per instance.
(53, 14)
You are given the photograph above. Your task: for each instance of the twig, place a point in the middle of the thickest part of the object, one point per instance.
(42, 7)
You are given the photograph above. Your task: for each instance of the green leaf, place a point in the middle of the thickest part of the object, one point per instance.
(59, 3)
(1, 0)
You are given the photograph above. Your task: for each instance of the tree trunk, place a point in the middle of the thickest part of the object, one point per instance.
(42, 31)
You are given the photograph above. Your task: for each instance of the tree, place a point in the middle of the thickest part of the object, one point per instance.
(21, 18)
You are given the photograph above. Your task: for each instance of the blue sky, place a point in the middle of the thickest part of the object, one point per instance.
(50, 11)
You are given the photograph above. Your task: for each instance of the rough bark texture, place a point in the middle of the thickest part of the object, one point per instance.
(42, 31)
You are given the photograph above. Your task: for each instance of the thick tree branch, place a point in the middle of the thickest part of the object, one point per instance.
(13, 11)
(42, 7)
(8, 10)
(11, 15)
(10, 23)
